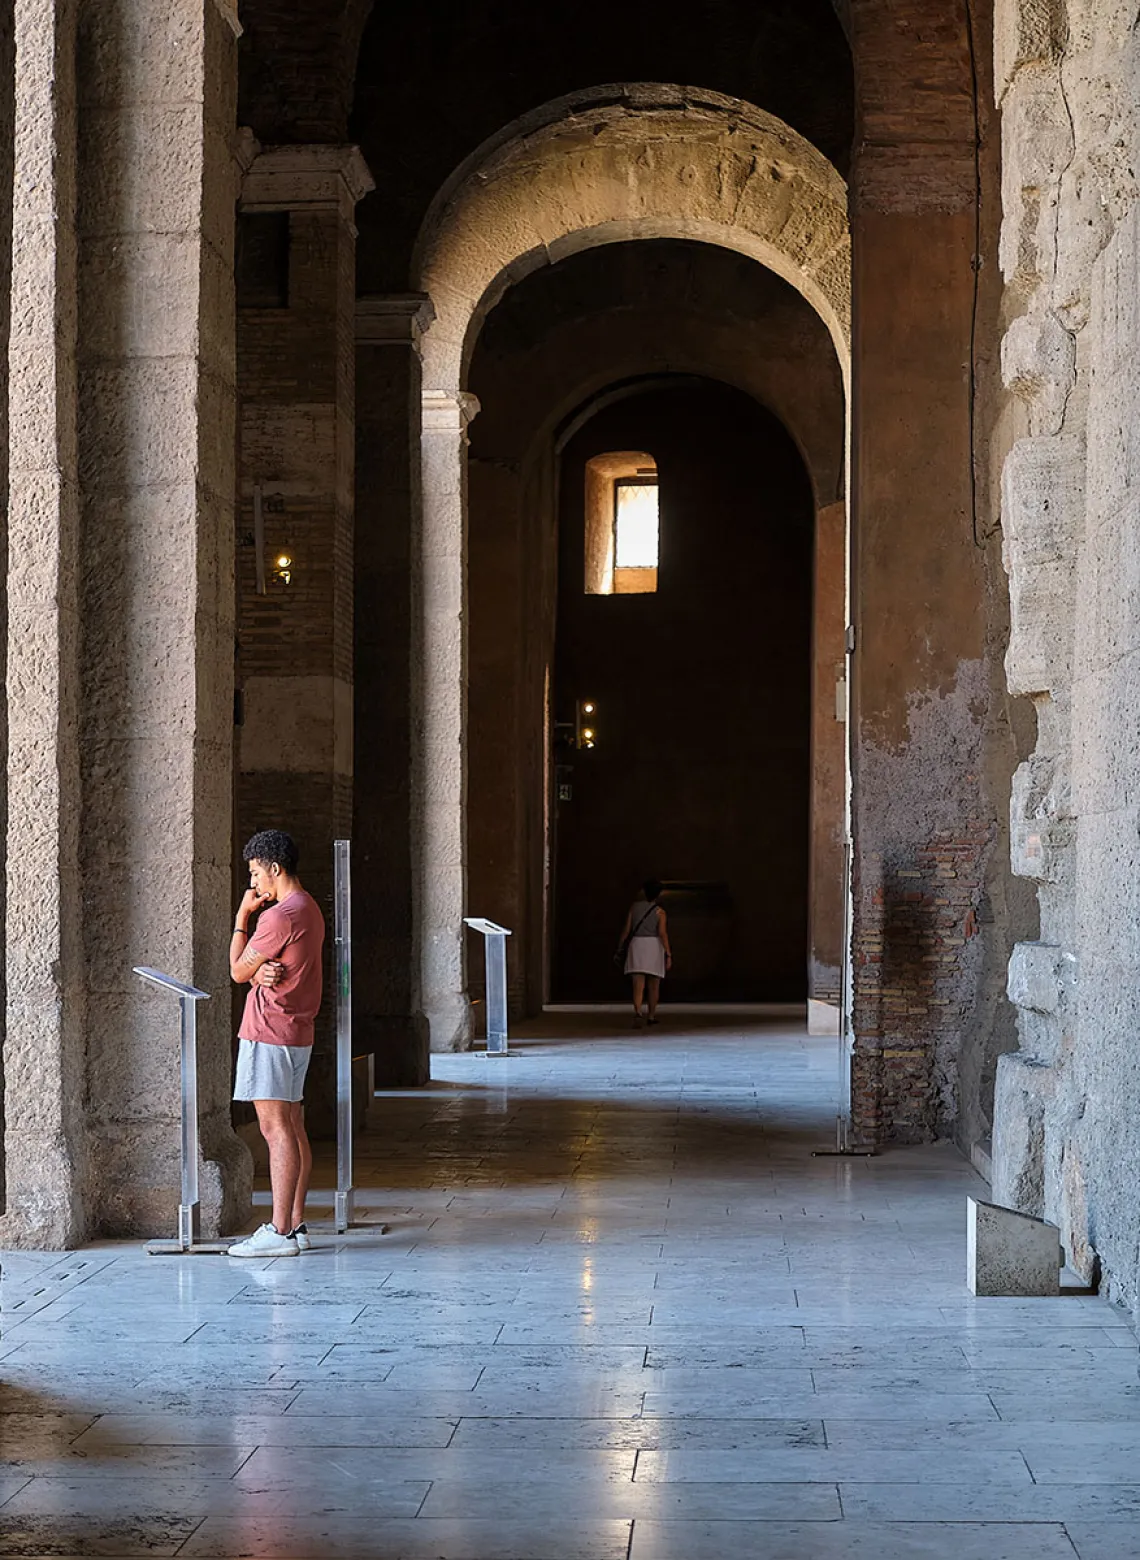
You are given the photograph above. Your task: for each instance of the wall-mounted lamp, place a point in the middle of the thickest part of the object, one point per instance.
(283, 568)
(586, 726)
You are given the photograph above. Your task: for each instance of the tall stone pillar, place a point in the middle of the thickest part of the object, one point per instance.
(926, 824)
(296, 378)
(387, 1016)
(120, 632)
(157, 184)
(439, 769)
(44, 1020)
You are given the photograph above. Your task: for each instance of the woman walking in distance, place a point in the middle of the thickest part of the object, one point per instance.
(648, 957)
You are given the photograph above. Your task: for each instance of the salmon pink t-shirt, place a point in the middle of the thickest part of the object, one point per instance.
(293, 932)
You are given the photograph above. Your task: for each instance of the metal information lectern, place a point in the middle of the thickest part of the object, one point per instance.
(187, 1243)
(344, 1199)
(495, 940)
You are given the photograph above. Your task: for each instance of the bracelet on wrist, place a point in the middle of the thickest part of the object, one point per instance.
(240, 931)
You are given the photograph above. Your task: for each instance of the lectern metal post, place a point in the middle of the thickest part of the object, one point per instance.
(495, 947)
(344, 1201)
(187, 1243)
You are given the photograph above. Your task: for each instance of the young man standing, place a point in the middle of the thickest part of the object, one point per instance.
(281, 961)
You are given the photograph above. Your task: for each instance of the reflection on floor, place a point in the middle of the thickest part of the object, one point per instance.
(620, 1312)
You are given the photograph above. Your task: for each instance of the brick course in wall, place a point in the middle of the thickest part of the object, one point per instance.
(296, 373)
(914, 978)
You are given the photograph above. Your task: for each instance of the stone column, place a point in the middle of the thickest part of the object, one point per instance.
(157, 185)
(296, 375)
(387, 1016)
(120, 629)
(439, 769)
(44, 1020)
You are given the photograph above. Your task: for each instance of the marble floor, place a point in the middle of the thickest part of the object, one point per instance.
(619, 1313)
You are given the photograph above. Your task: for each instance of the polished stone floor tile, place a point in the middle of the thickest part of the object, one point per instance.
(335, 1538)
(1020, 1502)
(849, 1540)
(1105, 1540)
(619, 1313)
(801, 1465)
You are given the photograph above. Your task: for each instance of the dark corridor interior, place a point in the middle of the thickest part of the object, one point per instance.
(700, 772)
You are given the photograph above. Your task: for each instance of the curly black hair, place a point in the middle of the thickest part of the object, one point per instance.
(272, 845)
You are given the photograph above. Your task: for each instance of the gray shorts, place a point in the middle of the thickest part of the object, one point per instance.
(271, 1072)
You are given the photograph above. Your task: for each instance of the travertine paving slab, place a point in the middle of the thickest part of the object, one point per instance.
(849, 1540)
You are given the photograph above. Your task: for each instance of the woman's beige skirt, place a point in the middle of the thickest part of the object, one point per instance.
(645, 956)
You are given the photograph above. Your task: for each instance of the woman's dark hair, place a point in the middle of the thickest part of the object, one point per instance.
(272, 845)
(651, 888)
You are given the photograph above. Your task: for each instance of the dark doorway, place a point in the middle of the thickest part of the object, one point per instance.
(699, 773)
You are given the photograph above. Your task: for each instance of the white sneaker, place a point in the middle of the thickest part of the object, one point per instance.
(301, 1236)
(265, 1242)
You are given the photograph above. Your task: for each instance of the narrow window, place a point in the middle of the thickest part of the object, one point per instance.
(636, 534)
(623, 531)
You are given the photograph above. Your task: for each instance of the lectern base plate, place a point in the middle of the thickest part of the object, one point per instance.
(200, 1248)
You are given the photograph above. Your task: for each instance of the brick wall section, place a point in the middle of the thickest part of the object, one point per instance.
(296, 377)
(914, 976)
(298, 67)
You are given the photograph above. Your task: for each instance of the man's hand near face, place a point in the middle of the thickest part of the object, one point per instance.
(251, 903)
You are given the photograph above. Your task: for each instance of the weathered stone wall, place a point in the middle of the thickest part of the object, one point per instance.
(7, 149)
(1068, 79)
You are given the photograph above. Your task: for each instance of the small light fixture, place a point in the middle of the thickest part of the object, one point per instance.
(283, 568)
(584, 728)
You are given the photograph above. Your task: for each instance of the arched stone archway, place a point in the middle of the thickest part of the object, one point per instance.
(616, 163)
(611, 165)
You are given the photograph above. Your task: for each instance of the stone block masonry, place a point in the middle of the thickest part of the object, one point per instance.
(1068, 1100)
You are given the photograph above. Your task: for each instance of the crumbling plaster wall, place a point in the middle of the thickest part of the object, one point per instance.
(1066, 1141)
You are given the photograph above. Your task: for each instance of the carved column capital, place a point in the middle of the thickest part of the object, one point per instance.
(393, 319)
(306, 178)
(449, 410)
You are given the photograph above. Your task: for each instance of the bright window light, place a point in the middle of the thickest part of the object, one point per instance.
(636, 527)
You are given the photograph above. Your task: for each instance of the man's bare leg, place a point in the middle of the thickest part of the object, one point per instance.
(305, 1154)
(275, 1118)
